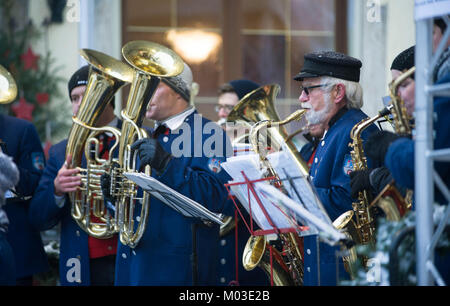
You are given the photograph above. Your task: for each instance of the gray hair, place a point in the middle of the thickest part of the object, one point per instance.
(353, 91)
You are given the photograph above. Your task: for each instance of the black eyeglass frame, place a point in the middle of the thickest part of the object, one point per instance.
(307, 88)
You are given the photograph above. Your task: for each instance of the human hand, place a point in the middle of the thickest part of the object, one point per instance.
(67, 179)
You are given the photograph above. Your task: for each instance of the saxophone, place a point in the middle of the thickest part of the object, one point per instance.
(393, 204)
(359, 223)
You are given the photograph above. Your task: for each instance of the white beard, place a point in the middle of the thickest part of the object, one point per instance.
(316, 117)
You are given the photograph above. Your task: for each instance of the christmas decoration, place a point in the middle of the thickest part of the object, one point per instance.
(395, 238)
(37, 79)
(23, 109)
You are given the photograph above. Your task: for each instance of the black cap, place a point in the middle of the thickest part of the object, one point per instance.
(330, 63)
(80, 77)
(243, 87)
(404, 61)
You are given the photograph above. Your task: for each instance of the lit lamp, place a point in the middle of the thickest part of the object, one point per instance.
(195, 46)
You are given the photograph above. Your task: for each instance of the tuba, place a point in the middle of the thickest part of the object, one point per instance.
(8, 86)
(257, 110)
(150, 62)
(106, 76)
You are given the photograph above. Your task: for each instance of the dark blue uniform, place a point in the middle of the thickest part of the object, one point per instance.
(24, 146)
(330, 176)
(46, 212)
(400, 161)
(163, 255)
(399, 158)
(230, 254)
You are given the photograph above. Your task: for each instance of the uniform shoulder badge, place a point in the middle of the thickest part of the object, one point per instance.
(38, 160)
(214, 164)
(348, 164)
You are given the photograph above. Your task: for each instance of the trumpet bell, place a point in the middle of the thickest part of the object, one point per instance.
(8, 86)
(152, 58)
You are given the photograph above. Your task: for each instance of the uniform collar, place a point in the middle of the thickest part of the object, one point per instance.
(334, 119)
(175, 121)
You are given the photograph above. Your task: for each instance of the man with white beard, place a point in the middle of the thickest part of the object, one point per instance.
(331, 92)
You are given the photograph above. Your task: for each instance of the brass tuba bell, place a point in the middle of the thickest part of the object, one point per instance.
(8, 86)
(150, 62)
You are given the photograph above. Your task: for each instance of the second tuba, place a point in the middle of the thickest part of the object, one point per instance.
(150, 62)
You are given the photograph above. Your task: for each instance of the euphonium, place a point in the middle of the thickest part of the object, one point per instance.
(8, 86)
(151, 62)
(256, 109)
(106, 76)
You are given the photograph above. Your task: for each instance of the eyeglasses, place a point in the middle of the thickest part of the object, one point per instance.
(227, 108)
(306, 89)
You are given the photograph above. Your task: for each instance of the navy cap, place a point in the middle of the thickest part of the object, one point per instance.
(243, 87)
(80, 77)
(330, 63)
(404, 60)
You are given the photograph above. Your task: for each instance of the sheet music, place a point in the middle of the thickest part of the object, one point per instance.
(249, 164)
(299, 188)
(326, 230)
(179, 202)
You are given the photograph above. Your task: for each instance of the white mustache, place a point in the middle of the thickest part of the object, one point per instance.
(306, 105)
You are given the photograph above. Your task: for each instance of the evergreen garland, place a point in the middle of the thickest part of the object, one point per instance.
(39, 96)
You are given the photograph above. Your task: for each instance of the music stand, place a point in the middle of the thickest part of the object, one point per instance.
(180, 203)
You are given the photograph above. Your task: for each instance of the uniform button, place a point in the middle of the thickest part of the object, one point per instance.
(165, 139)
(308, 269)
(223, 261)
(223, 242)
(109, 248)
(124, 256)
(138, 218)
(133, 252)
(78, 233)
(323, 143)
(316, 160)
(308, 251)
(222, 279)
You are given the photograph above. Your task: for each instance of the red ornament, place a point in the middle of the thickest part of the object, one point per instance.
(42, 98)
(23, 109)
(29, 60)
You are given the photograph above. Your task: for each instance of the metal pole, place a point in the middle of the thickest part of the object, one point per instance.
(424, 192)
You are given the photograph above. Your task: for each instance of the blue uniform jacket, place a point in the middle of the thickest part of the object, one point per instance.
(399, 158)
(226, 274)
(24, 146)
(330, 177)
(45, 213)
(163, 255)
